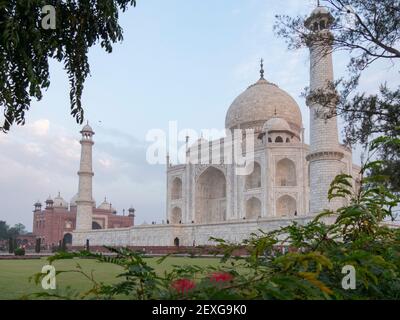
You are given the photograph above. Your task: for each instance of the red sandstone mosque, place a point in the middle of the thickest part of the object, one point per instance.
(58, 219)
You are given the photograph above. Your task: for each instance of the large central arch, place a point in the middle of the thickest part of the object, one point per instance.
(210, 196)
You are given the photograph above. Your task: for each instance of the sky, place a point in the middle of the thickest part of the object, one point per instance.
(180, 60)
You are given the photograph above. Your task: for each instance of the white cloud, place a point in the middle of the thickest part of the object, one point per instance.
(40, 127)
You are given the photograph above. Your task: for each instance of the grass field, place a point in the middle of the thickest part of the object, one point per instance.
(14, 274)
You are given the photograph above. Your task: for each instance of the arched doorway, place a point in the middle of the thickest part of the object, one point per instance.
(253, 209)
(286, 173)
(286, 206)
(176, 191)
(176, 242)
(67, 238)
(211, 196)
(176, 215)
(96, 226)
(253, 181)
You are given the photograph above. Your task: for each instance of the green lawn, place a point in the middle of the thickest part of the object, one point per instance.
(14, 274)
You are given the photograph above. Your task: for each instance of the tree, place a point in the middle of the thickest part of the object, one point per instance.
(369, 30)
(6, 232)
(16, 230)
(27, 44)
(3, 230)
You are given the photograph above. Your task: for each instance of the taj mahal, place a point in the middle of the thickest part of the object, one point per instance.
(289, 180)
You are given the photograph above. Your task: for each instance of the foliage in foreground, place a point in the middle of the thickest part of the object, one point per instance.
(26, 48)
(310, 269)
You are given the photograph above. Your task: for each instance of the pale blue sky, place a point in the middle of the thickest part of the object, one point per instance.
(181, 60)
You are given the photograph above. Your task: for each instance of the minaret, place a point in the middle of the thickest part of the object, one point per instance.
(85, 199)
(325, 154)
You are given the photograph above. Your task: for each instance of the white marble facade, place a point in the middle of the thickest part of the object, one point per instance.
(289, 182)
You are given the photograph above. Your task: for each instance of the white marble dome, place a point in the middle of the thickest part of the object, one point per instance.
(59, 202)
(259, 103)
(276, 124)
(72, 202)
(105, 205)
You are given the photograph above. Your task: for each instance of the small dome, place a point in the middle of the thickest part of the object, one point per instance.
(87, 128)
(320, 10)
(276, 124)
(259, 103)
(72, 202)
(49, 200)
(59, 202)
(105, 205)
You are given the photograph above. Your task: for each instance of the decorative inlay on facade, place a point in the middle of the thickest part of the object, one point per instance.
(325, 155)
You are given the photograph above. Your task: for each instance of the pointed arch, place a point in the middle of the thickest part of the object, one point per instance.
(253, 208)
(253, 181)
(286, 206)
(176, 190)
(286, 173)
(210, 196)
(176, 215)
(96, 226)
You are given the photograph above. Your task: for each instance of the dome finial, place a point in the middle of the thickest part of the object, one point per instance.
(262, 69)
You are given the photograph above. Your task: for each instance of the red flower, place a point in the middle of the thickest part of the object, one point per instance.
(221, 277)
(183, 286)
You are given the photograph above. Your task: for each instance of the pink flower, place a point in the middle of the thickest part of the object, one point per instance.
(183, 286)
(221, 277)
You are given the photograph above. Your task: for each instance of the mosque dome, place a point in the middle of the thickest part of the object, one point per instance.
(259, 103)
(276, 124)
(72, 202)
(59, 202)
(105, 205)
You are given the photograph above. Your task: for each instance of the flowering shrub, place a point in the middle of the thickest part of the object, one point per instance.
(221, 277)
(311, 269)
(183, 286)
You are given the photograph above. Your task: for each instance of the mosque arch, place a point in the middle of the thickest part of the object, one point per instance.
(210, 196)
(253, 181)
(253, 208)
(96, 226)
(278, 139)
(286, 206)
(176, 191)
(176, 215)
(67, 238)
(286, 173)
